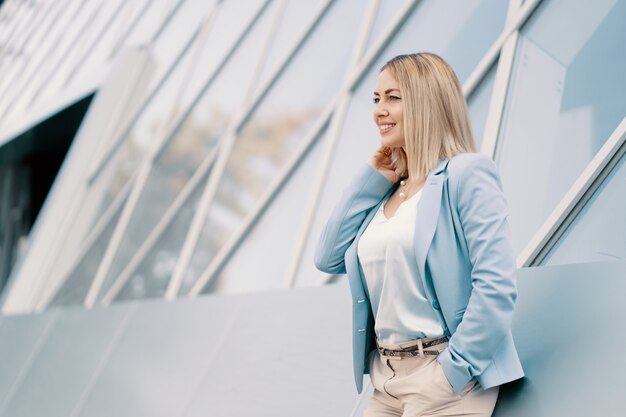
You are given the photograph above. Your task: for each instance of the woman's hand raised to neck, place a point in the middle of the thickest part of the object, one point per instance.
(381, 161)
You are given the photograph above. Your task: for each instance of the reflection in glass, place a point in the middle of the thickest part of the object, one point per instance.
(422, 31)
(261, 260)
(75, 288)
(598, 233)
(277, 128)
(208, 120)
(148, 129)
(565, 99)
(151, 278)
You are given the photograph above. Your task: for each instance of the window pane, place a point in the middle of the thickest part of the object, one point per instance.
(277, 128)
(294, 20)
(74, 289)
(153, 275)
(566, 96)
(99, 30)
(599, 231)
(385, 16)
(22, 89)
(360, 136)
(121, 169)
(478, 104)
(91, 61)
(208, 120)
(151, 22)
(30, 45)
(261, 260)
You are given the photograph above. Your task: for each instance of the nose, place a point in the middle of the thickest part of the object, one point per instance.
(380, 110)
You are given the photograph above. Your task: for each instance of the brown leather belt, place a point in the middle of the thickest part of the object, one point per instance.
(414, 350)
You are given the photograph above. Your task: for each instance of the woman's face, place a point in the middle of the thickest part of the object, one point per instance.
(388, 113)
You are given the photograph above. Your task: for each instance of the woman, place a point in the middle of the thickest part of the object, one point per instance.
(422, 234)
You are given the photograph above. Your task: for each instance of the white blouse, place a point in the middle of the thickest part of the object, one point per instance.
(387, 256)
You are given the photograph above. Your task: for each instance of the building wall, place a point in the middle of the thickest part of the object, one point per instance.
(227, 129)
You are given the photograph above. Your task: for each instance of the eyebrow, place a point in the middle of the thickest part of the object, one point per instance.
(387, 91)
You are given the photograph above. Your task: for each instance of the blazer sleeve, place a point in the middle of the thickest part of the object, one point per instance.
(483, 212)
(364, 192)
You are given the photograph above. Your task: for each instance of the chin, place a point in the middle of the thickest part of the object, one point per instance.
(391, 143)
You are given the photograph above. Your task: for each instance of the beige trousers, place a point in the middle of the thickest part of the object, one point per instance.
(417, 387)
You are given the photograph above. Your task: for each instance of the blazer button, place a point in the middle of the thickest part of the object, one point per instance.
(360, 330)
(436, 305)
(360, 301)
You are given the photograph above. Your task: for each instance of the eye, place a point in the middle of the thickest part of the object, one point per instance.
(394, 98)
(375, 100)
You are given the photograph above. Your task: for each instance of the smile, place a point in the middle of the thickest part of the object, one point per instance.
(385, 128)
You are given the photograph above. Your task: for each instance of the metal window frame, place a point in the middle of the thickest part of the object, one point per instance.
(28, 79)
(117, 142)
(144, 174)
(473, 81)
(16, 45)
(64, 202)
(594, 173)
(63, 57)
(517, 17)
(228, 250)
(332, 138)
(170, 16)
(129, 29)
(207, 164)
(191, 185)
(159, 229)
(161, 225)
(575, 199)
(17, 19)
(87, 51)
(600, 166)
(20, 79)
(226, 146)
(44, 296)
(204, 29)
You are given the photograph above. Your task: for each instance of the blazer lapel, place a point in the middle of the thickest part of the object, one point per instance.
(427, 216)
(425, 225)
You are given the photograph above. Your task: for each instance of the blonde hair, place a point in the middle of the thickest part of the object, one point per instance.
(436, 120)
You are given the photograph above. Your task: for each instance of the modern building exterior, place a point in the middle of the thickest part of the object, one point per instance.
(169, 149)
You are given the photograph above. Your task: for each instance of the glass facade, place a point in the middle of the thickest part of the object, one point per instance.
(598, 231)
(253, 106)
(566, 96)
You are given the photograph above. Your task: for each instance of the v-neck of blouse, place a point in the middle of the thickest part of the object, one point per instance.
(399, 206)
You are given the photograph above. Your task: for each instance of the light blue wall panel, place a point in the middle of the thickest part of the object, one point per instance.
(288, 353)
(68, 361)
(20, 337)
(569, 332)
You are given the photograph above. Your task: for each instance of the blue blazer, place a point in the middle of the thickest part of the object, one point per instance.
(465, 258)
